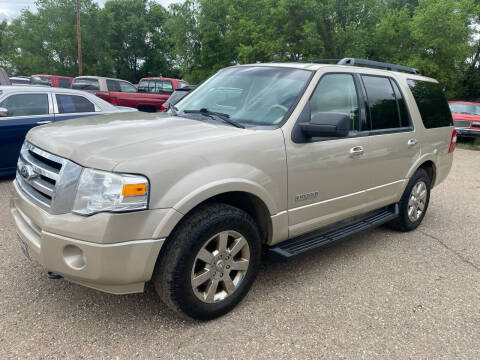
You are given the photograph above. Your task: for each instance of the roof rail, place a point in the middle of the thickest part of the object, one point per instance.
(377, 64)
(364, 62)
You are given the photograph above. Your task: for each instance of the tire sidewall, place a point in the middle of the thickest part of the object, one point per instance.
(200, 233)
(420, 175)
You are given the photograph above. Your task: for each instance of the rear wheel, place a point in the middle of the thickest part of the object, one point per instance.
(209, 262)
(414, 202)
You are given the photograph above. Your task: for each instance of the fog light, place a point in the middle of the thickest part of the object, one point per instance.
(74, 257)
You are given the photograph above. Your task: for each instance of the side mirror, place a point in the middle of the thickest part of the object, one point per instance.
(3, 112)
(326, 124)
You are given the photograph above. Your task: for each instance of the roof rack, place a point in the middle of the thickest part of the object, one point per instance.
(364, 62)
(377, 64)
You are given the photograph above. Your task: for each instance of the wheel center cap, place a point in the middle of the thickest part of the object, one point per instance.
(219, 265)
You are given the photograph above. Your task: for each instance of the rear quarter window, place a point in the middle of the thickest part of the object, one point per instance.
(432, 104)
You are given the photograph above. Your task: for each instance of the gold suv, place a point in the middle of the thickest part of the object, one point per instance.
(277, 158)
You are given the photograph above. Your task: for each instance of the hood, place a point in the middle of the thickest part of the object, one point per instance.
(104, 141)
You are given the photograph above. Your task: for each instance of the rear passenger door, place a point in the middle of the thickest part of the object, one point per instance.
(69, 106)
(393, 144)
(25, 111)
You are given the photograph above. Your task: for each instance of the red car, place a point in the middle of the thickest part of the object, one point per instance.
(466, 118)
(52, 80)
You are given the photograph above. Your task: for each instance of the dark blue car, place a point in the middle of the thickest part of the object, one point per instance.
(23, 107)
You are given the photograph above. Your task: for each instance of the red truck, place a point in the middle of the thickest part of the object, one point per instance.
(466, 118)
(149, 97)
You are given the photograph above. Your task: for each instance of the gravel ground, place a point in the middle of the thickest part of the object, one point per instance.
(381, 294)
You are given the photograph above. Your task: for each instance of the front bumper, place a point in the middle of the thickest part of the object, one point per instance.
(468, 132)
(107, 263)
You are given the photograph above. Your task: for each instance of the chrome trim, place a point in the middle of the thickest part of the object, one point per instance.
(50, 188)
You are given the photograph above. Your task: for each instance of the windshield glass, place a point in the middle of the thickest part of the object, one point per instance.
(256, 95)
(465, 109)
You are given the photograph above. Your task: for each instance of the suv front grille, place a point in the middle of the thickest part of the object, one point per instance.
(47, 179)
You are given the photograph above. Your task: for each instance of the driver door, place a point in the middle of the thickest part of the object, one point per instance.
(328, 177)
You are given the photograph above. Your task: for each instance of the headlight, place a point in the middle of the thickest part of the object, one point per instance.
(104, 191)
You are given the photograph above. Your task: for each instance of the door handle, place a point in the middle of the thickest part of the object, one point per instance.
(44, 122)
(412, 142)
(356, 151)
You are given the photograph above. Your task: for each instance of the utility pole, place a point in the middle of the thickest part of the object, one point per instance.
(79, 40)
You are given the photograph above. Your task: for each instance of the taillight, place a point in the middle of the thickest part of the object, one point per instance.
(163, 108)
(112, 101)
(453, 141)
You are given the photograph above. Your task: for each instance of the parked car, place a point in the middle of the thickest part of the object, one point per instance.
(19, 80)
(120, 92)
(277, 157)
(466, 118)
(22, 108)
(176, 96)
(52, 80)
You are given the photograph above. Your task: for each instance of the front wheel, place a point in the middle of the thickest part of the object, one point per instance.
(209, 262)
(414, 202)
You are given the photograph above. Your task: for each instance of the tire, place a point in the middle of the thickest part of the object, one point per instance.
(184, 259)
(406, 222)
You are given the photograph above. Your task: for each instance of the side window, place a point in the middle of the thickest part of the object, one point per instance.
(167, 86)
(432, 104)
(402, 106)
(143, 86)
(182, 84)
(113, 85)
(337, 93)
(63, 83)
(73, 104)
(381, 102)
(26, 104)
(126, 87)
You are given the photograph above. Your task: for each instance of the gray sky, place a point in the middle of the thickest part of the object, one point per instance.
(11, 8)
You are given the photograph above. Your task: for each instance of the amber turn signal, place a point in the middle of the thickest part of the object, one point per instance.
(134, 189)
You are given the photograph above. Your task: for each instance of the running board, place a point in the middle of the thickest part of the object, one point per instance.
(339, 231)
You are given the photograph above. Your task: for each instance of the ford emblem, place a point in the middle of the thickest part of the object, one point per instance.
(27, 172)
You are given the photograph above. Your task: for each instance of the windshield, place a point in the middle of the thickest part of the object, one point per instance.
(465, 109)
(256, 95)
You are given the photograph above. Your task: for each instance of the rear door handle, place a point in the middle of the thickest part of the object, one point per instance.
(356, 151)
(412, 142)
(44, 122)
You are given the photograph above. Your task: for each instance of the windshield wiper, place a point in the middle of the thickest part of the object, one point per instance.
(211, 114)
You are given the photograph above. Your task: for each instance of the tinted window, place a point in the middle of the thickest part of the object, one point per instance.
(432, 104)
(85, 84)
(382, 102)
(26, 104)
(402, 107)
(73, 104)
(113, 85)
(126, 87)
(63, 83)
(336, 93)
